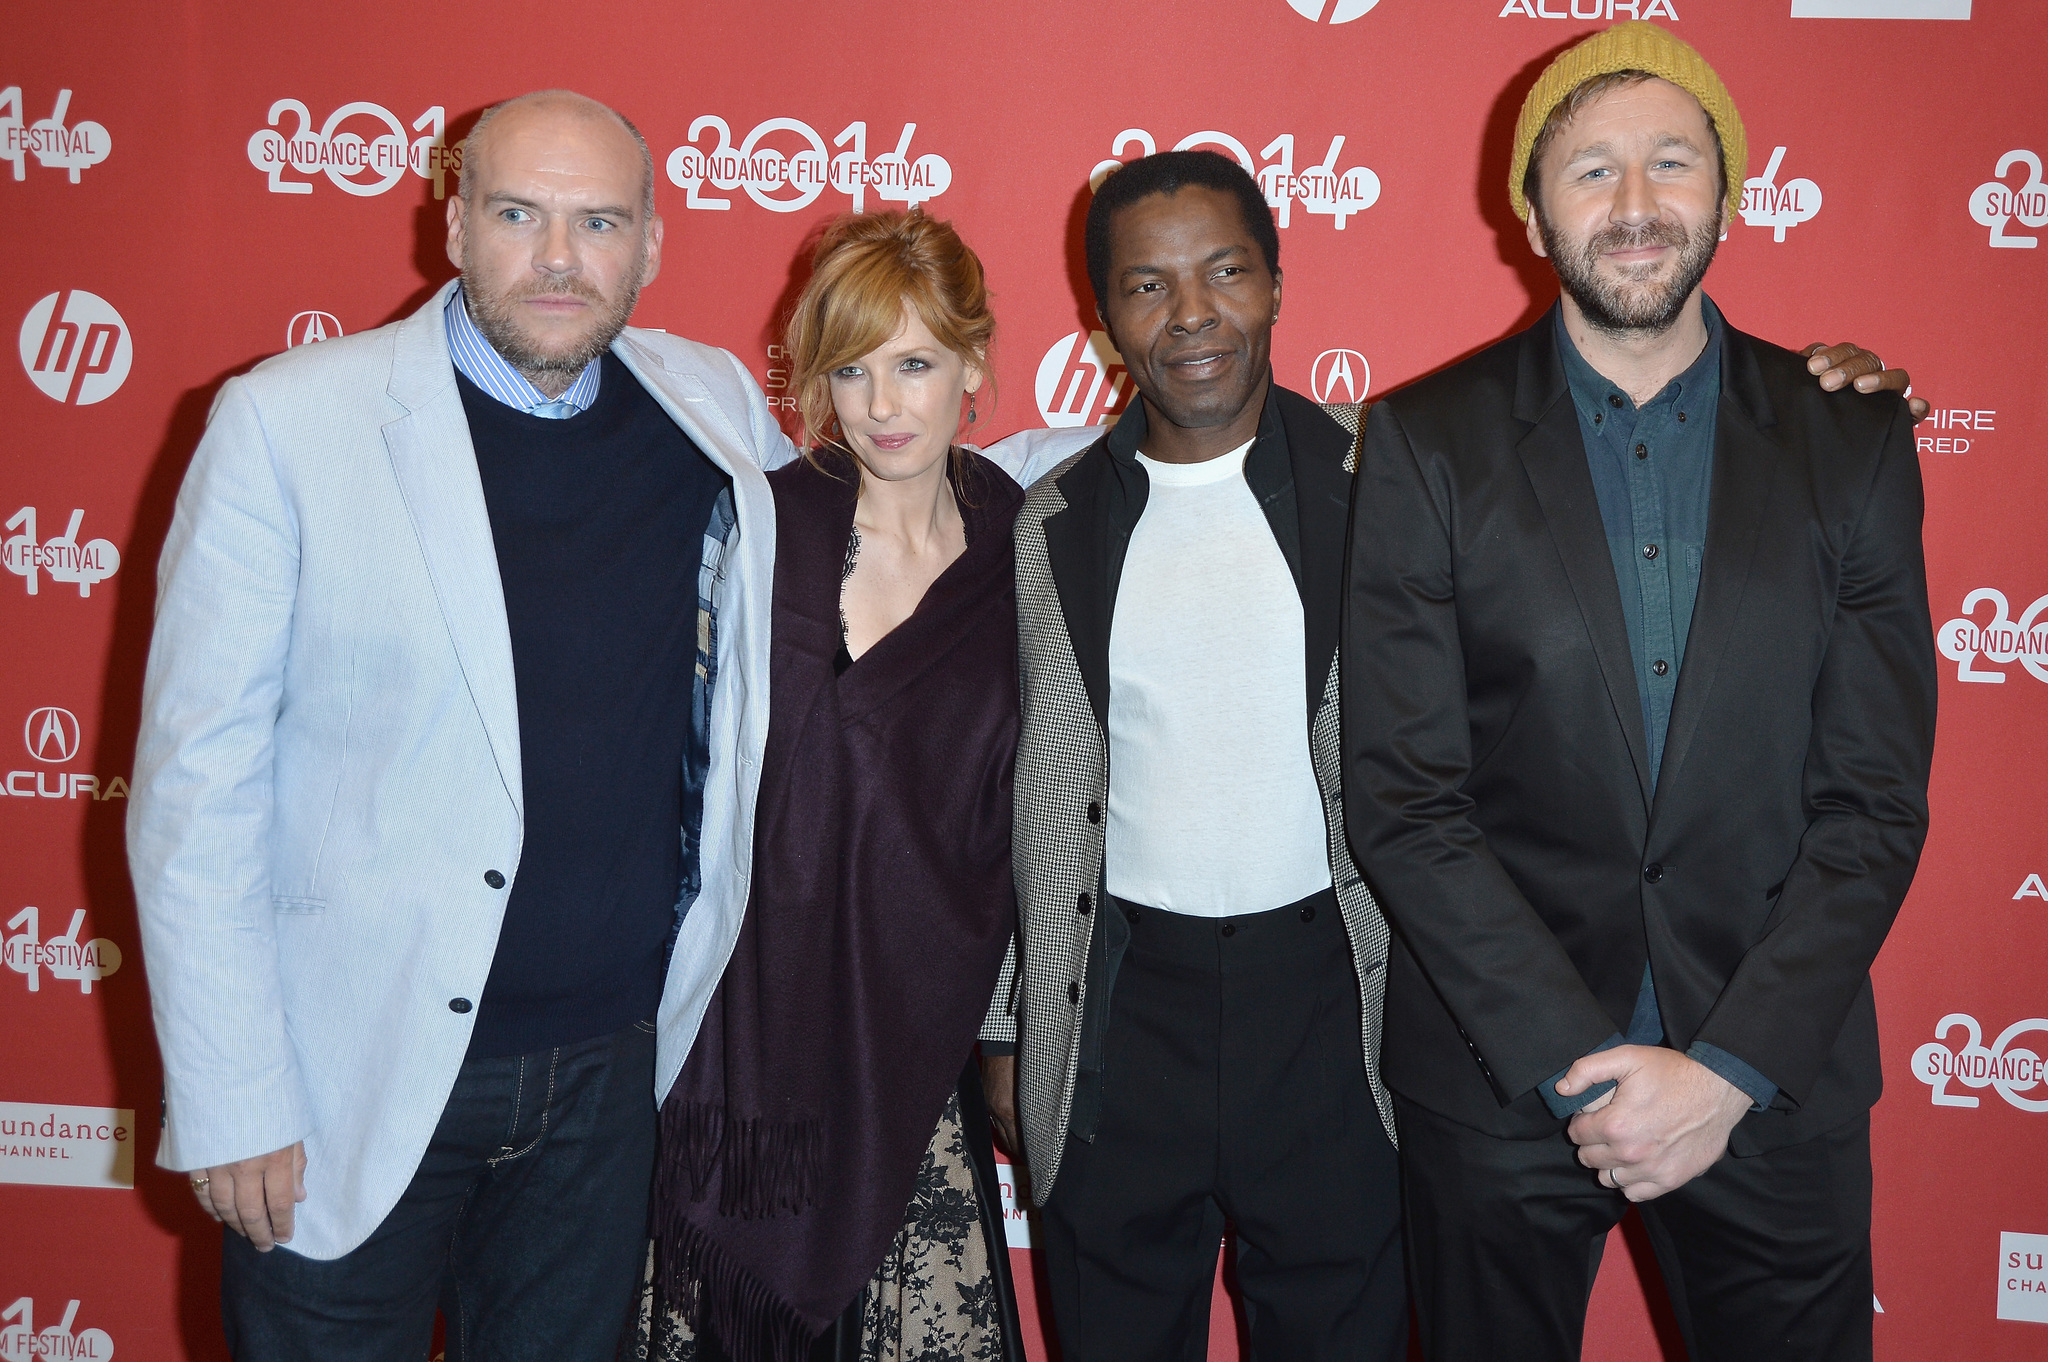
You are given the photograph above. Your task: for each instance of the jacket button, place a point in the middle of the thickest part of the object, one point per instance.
(1308, 914)
(1084, 905)
(458, 1004)
(1653, 873)
(495, 881)
(1230, 929)
(1094, 812)
(1131, 915)
(1074, 994)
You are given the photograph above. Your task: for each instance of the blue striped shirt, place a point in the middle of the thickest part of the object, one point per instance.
(482, 365)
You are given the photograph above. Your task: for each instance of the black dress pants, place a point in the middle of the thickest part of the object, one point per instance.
(1234, 1090)
(526, 1224)
(1766, 1259)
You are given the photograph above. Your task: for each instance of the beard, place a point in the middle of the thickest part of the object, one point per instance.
(1635, 302)
(495, 313)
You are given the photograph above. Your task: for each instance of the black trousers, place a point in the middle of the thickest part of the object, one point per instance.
(1234, 1091)
(526, 1223)
(1766, 1259)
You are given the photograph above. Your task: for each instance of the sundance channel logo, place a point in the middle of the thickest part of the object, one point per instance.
(21, 1341)
(46, 1146)
(2023, 1277)
(783, 165)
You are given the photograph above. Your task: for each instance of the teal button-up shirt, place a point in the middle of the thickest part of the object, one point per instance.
(1652, 468)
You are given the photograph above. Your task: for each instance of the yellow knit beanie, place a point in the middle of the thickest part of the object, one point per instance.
(1631, 46)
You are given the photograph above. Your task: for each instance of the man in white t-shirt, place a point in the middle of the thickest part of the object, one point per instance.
(1201, 965)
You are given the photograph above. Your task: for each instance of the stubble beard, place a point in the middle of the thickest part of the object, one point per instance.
(495, 313)
(1635, 304)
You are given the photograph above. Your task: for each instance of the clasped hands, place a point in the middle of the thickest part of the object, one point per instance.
(1665, 1123)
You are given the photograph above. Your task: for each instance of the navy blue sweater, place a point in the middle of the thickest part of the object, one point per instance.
(599, 524)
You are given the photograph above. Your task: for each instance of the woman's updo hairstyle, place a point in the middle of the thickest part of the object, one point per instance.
(867, 267)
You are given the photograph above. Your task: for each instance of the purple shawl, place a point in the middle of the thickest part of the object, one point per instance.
(881, 907)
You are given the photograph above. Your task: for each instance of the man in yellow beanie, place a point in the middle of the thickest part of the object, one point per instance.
(1639, 702)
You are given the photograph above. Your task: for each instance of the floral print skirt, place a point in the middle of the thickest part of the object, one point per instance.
(938, 1296)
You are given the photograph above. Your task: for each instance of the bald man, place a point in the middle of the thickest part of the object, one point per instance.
(445, 786)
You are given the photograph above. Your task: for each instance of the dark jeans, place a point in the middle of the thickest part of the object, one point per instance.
(1233, 1089)
(1767, 1259)
(526, 1223)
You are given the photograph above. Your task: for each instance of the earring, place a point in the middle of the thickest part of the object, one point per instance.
(970, 409)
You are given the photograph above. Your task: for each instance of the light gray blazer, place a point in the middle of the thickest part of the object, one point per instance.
(329, 756)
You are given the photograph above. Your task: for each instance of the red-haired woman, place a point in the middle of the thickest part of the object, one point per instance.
(825, 1187)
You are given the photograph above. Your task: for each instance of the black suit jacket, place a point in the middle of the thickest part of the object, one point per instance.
(1497, 790)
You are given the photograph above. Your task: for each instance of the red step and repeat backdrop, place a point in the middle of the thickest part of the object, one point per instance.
(189, 188)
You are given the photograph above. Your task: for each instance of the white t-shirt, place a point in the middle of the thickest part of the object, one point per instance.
(1214, 809)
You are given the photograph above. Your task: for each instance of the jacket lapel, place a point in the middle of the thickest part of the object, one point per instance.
(1554, 455)
(1316, 446)
(688, 402)
(1078, 550)
(435, 464)
(1746, 461)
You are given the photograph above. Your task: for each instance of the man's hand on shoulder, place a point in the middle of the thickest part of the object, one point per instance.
(1837, 366)
(255, 1197)
(1665, 1124)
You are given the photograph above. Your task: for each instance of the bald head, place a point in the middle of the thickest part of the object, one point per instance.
(554, 231)
(562, 116)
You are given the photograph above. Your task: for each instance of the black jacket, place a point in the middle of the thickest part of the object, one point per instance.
(1496, 786)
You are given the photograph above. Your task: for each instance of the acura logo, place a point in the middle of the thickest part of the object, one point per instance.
(51, 735)
(1340, 376)
(309, 327)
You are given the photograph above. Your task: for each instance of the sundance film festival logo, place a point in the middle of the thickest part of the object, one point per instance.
(48, 1146)
(2014, 1072)
(783, 165)
(75, 347)
(61, 555)
(21, 1341)
(1999, 640)
(1323, 189)
(56, 147)
(53, 738)
(1997, 205)
(362, 149)
(1766, 203)
(65, 957)
(1608, 10)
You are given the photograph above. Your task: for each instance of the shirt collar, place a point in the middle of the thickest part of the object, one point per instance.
(1592, 391)
(482, 365)
(1128, 434)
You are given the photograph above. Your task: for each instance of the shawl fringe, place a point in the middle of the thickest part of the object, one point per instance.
(698, 1279)
(761, 1166)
